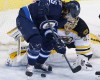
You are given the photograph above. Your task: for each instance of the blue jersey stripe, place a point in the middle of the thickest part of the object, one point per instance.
(27, 13)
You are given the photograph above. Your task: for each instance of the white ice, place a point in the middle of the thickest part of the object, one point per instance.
(61, 71)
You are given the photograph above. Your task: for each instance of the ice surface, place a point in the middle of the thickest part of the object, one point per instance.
(59, 73)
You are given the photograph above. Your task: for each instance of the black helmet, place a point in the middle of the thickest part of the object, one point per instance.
(43, 6)
(73, 7)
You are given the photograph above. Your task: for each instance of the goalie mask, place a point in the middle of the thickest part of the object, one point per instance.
(71, 23)
(70, 12)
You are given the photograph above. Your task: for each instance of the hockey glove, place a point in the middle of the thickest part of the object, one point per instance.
(50, 35)
(60, 49)
(47, 33)
(46, 29)
(60, 46)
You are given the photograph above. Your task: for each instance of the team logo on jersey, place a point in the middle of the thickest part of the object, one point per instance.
(85, 38)
(45, 25)
(86, 31)
(67, 39)
(56, 2)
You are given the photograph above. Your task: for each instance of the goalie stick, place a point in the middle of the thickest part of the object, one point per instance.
(59, 41)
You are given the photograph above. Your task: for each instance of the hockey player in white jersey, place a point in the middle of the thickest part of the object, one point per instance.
(76, 34)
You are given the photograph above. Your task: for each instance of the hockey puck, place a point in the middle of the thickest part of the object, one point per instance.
(97, 73)
(99, 15)
(43, 75)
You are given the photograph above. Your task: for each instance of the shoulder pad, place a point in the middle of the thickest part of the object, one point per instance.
(82, 28)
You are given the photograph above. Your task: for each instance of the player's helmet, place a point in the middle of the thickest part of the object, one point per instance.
(43, 6)
(73, 7)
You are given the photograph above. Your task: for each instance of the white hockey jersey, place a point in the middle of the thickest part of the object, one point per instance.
(82, 44)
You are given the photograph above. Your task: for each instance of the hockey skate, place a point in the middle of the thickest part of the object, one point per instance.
(37, 66)
(29, 70)
(83, 62)
(43, 67)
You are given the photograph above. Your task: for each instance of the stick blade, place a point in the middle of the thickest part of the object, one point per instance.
(97, 73)
(78, 68)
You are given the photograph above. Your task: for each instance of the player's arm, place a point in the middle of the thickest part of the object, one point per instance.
(82, 28)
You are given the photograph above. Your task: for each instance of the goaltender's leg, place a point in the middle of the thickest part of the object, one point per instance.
(83, 61)
(84, 54)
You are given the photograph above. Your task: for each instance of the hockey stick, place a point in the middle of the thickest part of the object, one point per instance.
(58, 41)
